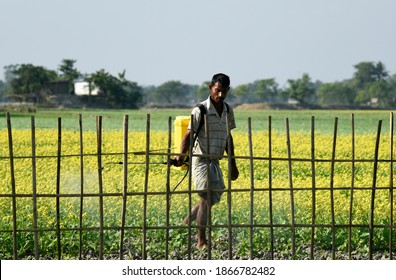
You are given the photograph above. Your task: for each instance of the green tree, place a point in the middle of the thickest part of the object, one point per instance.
(241, 93)
(2, 89)
(9, 75)
(9, 72)
(338, 93)
(192, 94)
(118, 93)
(30, 79)
(172, 92)
(379, 94)
(102, 80)
(369, 72)
(382, 93)
(264, 90)
(391, 80)
(380, 73)
(148, 94)
(364, 74)
(69, 72)
(370, 80)
(203, 91)
(301, 90)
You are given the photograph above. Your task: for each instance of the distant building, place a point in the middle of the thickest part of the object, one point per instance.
(57, 87)
(82, 88)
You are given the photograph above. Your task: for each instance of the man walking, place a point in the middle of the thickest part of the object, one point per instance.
(217, 112)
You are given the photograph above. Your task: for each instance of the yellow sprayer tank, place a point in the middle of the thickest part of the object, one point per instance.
(181, 124)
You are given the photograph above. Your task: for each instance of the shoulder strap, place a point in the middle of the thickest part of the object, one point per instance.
(201, 118)
(203, 112)
(228, 108)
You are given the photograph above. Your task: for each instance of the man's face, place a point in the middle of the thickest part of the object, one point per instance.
(218, 93)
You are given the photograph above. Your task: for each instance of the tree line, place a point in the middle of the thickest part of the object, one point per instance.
(371, 86)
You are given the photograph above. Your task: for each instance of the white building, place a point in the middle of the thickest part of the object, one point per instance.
(82, 88)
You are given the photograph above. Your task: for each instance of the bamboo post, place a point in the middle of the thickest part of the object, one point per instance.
(81, 186)
(189, 189)
(352, 188)
(125, 185)
(58, 172)
(229, 196)
(290, 170)
(333, 154)
(144, 227)
(100, 184)
(168, 191)
(313, 172)
(251, 187)
(34, 189)
(271, 217)
(372, 204)
(208, 225)
(229, 185)
(13, 187)
(391, 186)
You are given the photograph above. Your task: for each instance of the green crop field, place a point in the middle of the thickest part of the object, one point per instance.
(365, 121)
(242, 211)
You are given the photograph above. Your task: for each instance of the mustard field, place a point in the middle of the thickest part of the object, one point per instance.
(333, 196)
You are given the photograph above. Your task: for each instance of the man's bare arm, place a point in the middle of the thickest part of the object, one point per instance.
(184, 146)
(234, 168)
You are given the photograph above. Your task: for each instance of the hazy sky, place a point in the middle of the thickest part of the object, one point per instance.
(160, 40)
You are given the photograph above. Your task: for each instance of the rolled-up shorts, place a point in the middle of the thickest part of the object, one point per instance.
(216, 181)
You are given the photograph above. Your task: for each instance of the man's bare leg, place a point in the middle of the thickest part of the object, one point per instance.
(192, 216)
(202, 222)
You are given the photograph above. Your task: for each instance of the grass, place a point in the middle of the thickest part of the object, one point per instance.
(299, 120)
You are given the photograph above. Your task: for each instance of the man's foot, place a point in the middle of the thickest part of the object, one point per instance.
(201, 246)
